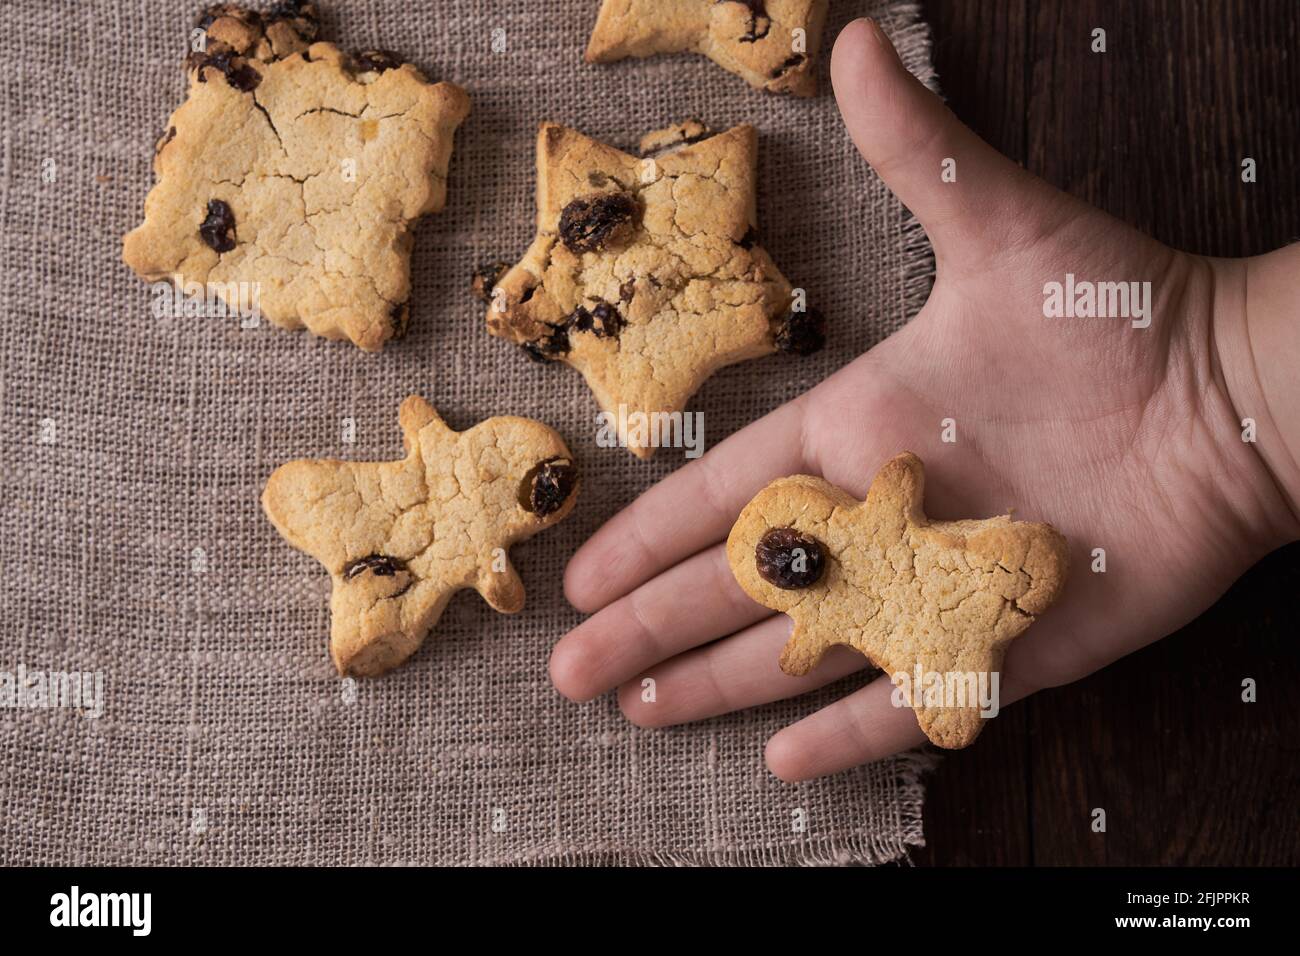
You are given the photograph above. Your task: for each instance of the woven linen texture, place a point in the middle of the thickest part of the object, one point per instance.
(134, 449)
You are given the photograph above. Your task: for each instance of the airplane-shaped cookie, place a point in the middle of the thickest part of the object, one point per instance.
(399, 538)
(933, 604)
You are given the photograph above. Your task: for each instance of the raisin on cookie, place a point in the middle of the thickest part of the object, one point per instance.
(772, 44)
(400, 538)
(913, 595)
(645, 274)
(297, 172)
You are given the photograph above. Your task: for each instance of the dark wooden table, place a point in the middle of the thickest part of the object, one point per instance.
(1153, 131)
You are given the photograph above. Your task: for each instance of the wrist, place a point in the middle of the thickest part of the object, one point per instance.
(1255, 350)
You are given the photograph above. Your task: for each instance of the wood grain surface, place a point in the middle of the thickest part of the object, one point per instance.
(1154, 132)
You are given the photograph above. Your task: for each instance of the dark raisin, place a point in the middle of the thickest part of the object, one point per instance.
(554, 342)
(218, 230)
(486, 279)
(299, 14)
(789, 559)
(557, 340)
(759, 22)
(580, 320)
(802, 333)
(285, 9)
(608, 319)
(242, 77)
(290, 9)
(401, 319)
(547, 486)
(381, 566)
(788, 65)
(290, 26)
(749, 239)
(376, 61)
(687, 134)
(592, 222)
(238, 74)
(627, 290)
(603, 320)
(692, 132)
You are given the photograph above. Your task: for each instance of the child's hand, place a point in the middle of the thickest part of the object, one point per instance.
(1127, 439)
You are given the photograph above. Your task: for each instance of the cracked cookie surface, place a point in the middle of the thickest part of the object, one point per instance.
(645, 274)
(400, 538)
(322, 161)
(772, 44)
(942, 596)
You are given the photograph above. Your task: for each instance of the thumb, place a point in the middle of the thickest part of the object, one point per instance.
(965, 193)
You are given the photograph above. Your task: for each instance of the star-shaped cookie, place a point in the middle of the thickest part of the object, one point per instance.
(771, 43)
(919, 598)
(645, 274)
(291, 177)
(400, 538)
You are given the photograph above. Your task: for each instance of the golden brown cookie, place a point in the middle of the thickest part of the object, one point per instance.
(921, 599)
(771, 43)
(293, 174)
(400, 538)
(645, 274)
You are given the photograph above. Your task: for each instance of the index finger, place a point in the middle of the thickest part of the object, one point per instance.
(689, 510)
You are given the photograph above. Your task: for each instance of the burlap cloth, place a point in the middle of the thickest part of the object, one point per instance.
(135, 448)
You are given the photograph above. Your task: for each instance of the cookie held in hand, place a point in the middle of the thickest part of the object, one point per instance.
(645, 274)
(400, 538)
(293, 174)
(772, 44)
(917, 597)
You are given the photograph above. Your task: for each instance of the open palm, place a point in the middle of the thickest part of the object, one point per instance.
(1125, 438)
